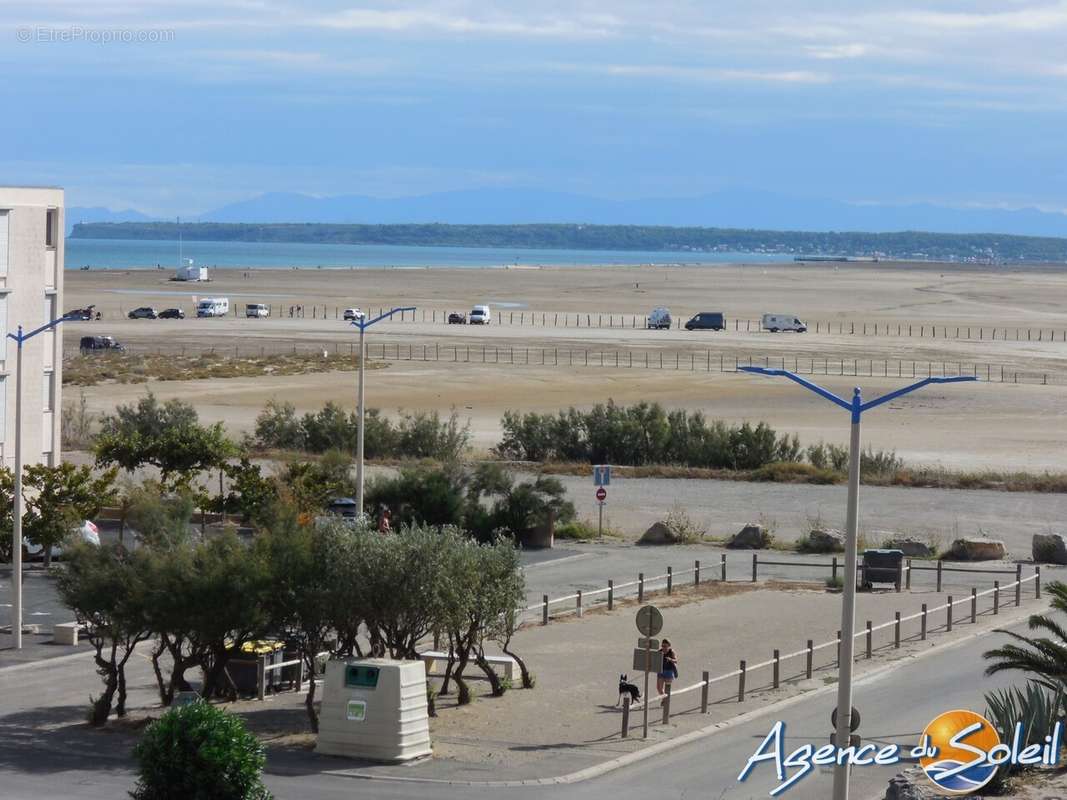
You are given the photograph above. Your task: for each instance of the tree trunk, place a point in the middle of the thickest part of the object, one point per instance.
(464, 689)
(165, 697)
(449, 666)
(496, 687)
(106, 669)
(120, 705)
(47, 556)
(527, 678)
(309, 701)
(213, 674)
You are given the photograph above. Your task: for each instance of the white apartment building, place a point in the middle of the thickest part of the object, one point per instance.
(31, 294)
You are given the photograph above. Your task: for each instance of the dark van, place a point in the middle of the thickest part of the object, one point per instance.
(97, 344)
(707, 321)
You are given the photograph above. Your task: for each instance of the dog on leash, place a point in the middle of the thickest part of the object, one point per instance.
(627, 688)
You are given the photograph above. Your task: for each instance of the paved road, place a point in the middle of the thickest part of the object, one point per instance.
(896, 705)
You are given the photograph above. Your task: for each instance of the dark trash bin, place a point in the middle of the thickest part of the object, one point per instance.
(881, 566)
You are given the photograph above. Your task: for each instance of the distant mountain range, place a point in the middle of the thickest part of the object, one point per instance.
(734, 208)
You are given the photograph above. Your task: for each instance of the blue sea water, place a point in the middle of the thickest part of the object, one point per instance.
(141, 254)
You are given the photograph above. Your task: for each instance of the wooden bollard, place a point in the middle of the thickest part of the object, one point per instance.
(741, 683)
(839, 648)
(907, 577)
(696, 572)
(940, 564)
(948, 617)
(626, 716)
(776, 666)
(870, 637)
(611, 594)
(544, 609)
(833, 570)
(722, 565)
(996, 597)
(667, 705)
(896, 630)
(755, 566)
(578, 604)
(640, 587)
(1018, 585)
(670, 579)
(922, 630)
(706, 676)
(974, 605)
(1037, 582)
(811, 658)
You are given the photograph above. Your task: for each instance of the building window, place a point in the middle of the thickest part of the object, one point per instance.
(48, 395)
(51, 227)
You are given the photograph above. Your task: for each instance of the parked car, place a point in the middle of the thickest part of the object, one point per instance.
(354, 314)
(172, 313)
(86, 532)
(92, 344)
(257, 310)
(659, 319)
(456, 318)
(707, 321)
(480, 315)
(144, 312)
(86, 313)
(783, 322)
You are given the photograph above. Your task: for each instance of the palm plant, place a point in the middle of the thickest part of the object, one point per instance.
(1043, 656)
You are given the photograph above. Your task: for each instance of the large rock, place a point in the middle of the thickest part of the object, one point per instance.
(977, 548)
(824, 540)
(1049, 548)
(912, 548)
(658, 533)
(750, 537)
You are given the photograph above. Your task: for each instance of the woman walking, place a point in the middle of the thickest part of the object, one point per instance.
(669, 671)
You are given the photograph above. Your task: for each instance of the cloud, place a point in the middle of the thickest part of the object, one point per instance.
(707, 74)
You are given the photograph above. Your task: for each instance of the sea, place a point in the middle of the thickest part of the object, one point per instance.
(152, 254)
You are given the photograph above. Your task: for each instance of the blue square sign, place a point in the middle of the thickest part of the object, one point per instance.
(602, 475)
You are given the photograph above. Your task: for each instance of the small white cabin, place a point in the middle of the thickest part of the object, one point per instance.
(191, 272)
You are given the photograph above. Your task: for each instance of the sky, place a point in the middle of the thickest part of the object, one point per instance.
(180, 107)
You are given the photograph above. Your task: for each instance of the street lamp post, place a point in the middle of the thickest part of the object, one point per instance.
(16, 517)
(848, 606)
(363, 324)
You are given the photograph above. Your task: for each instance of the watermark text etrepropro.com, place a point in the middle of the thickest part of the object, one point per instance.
(78, 33)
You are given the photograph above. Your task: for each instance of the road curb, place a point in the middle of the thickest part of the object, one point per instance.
(619, 762)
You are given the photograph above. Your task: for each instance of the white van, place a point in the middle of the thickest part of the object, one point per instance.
(213, 307)
(257, 310)
(659, 319)
(479, 316)
(783, 322)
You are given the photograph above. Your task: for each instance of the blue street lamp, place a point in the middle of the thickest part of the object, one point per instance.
(16, 519)
(848, 607)
(363, 324)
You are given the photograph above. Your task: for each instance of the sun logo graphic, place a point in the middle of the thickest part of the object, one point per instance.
(958, 745)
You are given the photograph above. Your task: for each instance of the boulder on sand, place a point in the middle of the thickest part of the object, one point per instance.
(1049, 548)
(750, 537)
(824, 540)
(912, 548)
(658, 533)
(977, 548)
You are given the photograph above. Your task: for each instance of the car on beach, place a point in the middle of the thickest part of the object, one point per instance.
(97, 344)
(257, 310)
(354, 315)
(707, 321)
(456, 318)
(144, 312)
(83, 314)
(783, 322)
(172, 313)
(659, 319)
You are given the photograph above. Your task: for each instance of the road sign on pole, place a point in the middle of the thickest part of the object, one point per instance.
(601, 495)
(602, 475)
(649, 623)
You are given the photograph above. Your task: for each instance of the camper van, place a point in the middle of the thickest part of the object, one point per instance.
(480, 315)
(659, 319)
(256, 310)
(213, 307)
(783, 322)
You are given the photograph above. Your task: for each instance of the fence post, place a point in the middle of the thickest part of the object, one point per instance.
(755, 566)
(666, 705)
(870, 637)
(578, 605)
(833, 571)
(544, 609)
(940, 564)
(777, 662)
(626, 716)
(974, 605)
(1018, 585)
(907, 578)
(1037, 582)
(741, 683)
(640, 587)
(696, 572)
(839, 648)
(722, 563)
(704, 692)
(948, 617)
(810, 658)
(996, 597)
(922, 633)
(611, 594)
(670, 579)
(896, 630)
(261, 677)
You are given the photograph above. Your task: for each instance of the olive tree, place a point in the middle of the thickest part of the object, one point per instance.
(58, 498)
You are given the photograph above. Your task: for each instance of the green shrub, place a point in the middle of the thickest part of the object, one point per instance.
(795, 472)
(835, 582)
(199, 751)
(1037, 708)
(579, 530)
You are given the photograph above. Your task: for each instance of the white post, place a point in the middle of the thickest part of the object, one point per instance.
(16, 520)
(361, 403)
(848, 606)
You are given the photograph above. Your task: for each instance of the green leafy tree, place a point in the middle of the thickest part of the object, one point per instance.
(311, 485)
(159, 516)
(166, 435)
(199, 751)
(59, 498)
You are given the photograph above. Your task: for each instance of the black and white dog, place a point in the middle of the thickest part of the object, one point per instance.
(627, 688)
